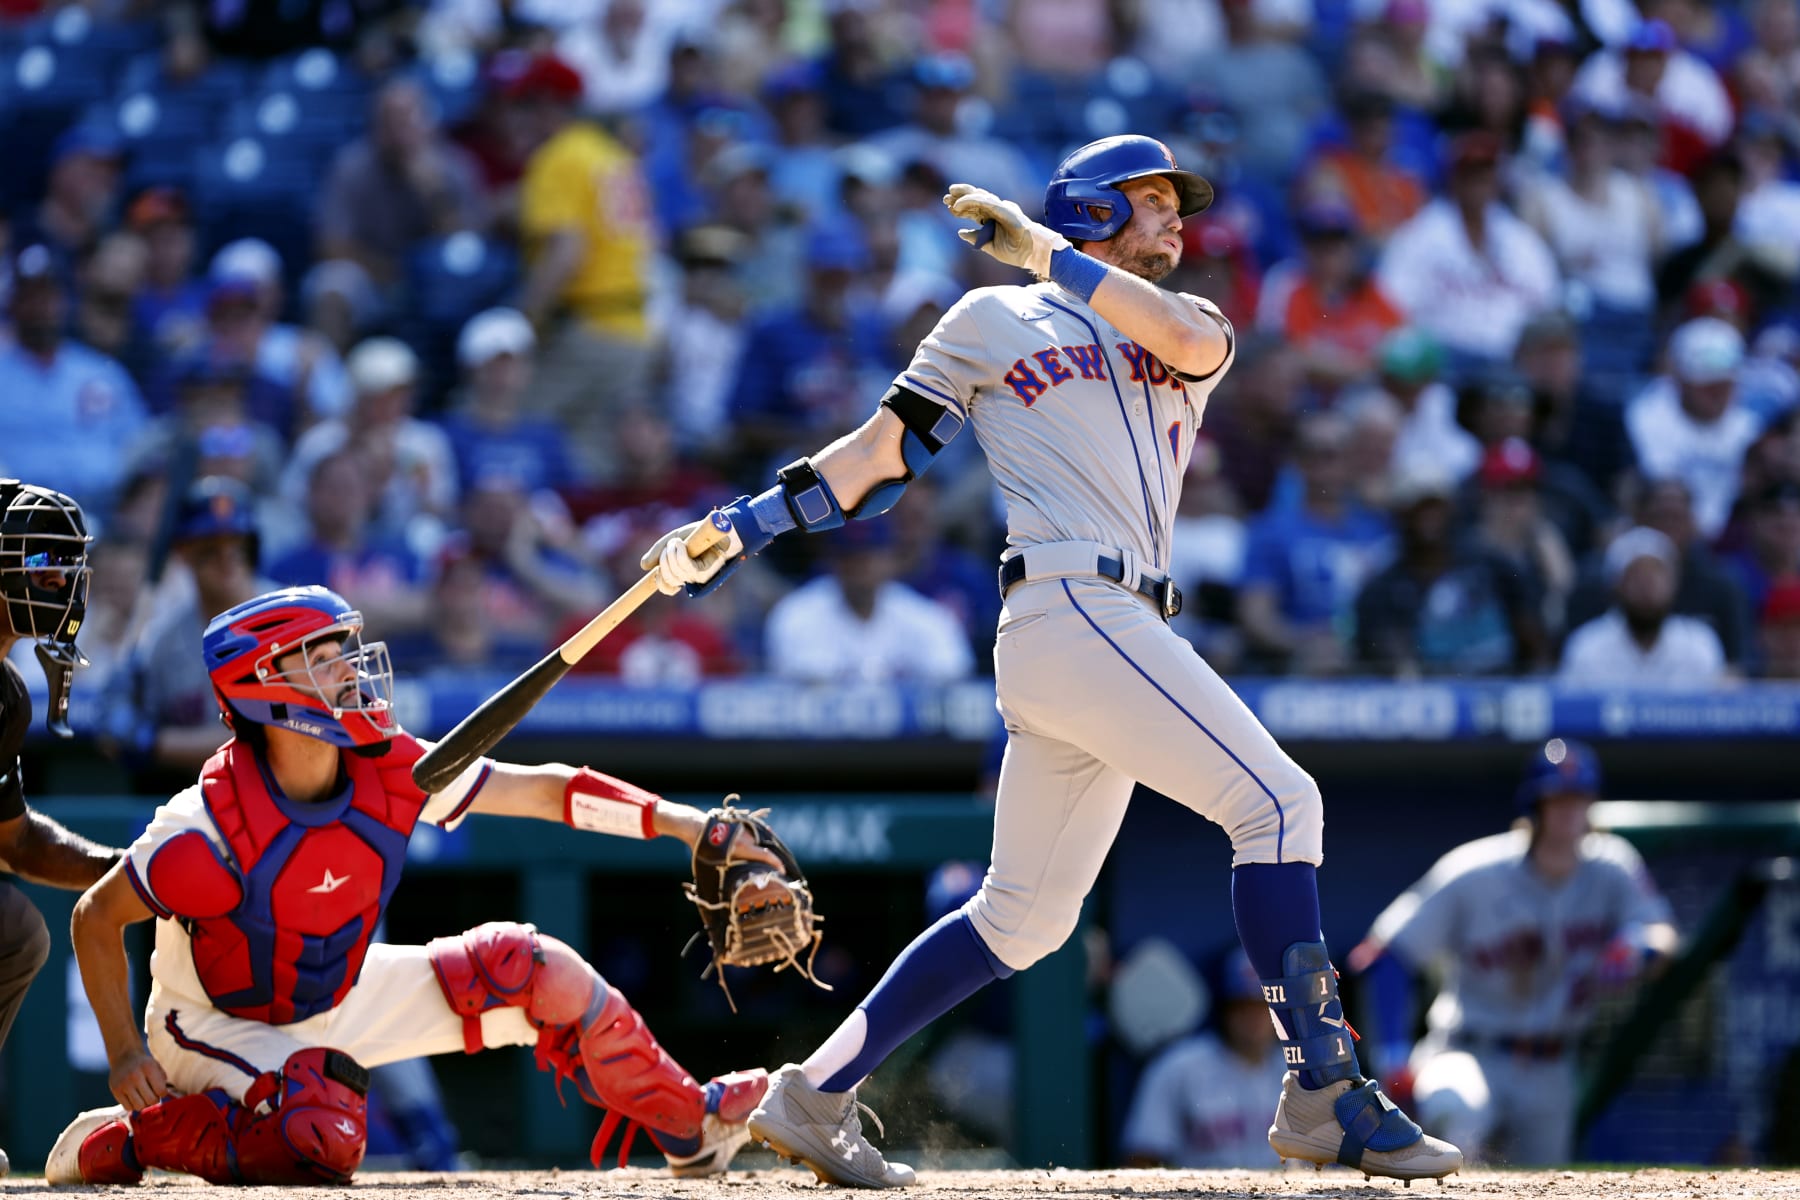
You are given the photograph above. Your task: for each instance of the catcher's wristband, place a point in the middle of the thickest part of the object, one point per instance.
(601, 804)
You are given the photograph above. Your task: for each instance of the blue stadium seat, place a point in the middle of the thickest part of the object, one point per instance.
(453, 81)
(449, 280)
(43, 91)
(294, 125)
(159, 131)
(245, 188)
(223, 81)
(317, 73)
(103, 45)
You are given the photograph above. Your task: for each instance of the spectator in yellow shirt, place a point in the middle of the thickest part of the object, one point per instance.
(585, 224)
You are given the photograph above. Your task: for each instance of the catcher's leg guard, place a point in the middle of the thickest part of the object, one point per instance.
(303, 1124)
(587, 1032)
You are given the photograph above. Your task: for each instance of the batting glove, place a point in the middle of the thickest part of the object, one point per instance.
(676, 569)
(1005, 232)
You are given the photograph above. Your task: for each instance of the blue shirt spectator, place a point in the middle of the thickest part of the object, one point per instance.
(70, 413)
(488, 433)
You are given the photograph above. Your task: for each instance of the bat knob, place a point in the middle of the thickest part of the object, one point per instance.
(720, 521)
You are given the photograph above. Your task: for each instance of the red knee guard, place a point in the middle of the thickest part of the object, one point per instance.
(303, 1124)
(505, 963)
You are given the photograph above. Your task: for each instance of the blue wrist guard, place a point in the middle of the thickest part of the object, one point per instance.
(1076, 272)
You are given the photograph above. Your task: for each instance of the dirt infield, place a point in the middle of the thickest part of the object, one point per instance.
(748, 1183)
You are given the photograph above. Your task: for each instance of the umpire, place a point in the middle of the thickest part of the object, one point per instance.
(43, 582)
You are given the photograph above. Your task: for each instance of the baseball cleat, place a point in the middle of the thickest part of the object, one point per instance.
(823, 1131)
(729, 1099)
(1354, 1124)
(95, 1148)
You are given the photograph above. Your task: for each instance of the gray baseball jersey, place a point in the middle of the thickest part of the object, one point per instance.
(1088, 434)
(1519, 954)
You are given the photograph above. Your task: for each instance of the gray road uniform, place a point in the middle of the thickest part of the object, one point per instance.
(1087, 435)
(1519, 957)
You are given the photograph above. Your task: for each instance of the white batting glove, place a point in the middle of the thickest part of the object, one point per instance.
(675, 568)
(1005, 232)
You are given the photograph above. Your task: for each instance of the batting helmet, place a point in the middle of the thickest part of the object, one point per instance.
(44, 566)
(346, 698)
(1083, 201)
(1560, 765)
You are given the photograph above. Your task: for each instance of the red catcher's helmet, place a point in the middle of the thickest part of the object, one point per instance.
(345, 698)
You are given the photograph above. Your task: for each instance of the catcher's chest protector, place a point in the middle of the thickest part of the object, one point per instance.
(315, 878)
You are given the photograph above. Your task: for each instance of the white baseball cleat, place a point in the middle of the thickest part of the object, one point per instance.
(723, 1132)
(1354, 1124)
(822, 1130)
(63, 1167)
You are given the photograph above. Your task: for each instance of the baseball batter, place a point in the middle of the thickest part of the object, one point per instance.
(268, 1000)
(1085, 391)
(1528, 927)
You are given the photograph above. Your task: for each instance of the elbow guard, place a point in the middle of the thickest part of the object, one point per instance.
(927, 428)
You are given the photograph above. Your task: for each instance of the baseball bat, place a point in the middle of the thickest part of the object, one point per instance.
(482, 729)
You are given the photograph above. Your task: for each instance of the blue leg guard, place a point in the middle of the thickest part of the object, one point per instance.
(1316, 1041)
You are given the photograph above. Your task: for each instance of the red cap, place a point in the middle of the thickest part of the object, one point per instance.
(1782, 603)
(154, 205)
(543, 75)
(1511, 462)
(1718, 298)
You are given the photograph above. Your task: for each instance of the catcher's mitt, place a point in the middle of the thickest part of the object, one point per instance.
(749, 914)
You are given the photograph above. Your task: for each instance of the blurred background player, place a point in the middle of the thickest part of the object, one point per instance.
(1204, 1101)
(43, 580)
(1527, 928)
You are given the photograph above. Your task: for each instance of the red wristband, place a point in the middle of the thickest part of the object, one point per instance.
(602, 804)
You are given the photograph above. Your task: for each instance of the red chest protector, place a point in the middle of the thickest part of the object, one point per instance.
(311, 880)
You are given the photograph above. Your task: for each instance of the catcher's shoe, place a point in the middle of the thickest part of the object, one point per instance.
(822, 1130)
(95, 1148)
(729, 1099)
(1354, 1124)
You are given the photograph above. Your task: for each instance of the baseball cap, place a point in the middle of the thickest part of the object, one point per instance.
(1706, 350)
(1509, 463)
(155, 206)
(794, 79)
(94, 141)
(1640, 542)
(1559, 766)
(1235, 978)
(1211, 235)
(247, 260)
(543, 74)
(216, 505)
(34, 263)
(1409, 355)
(1420, 480)
(491, 333)
(950, 71)
(380, 364)
(1651, 37)
(1552, 326)
(1326, 218)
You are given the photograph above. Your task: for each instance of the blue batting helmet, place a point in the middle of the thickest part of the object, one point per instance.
(1559, 765)
(1083, 201)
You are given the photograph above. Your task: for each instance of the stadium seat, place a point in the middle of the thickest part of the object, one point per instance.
(159, 131)
(453, 81)
(244, 188)
(449, 280)
(103, 45)
(43, 91)
(295, 125)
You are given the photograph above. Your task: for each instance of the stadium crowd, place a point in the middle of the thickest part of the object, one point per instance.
(456, 306)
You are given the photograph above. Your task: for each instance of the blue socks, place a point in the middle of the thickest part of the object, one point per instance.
(1276, 906)
(944, 966)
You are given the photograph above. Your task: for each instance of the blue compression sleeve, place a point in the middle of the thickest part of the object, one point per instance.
(1276, 905)
(944, 966)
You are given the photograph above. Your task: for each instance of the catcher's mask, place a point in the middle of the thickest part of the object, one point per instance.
(328, 684)
(44, 581)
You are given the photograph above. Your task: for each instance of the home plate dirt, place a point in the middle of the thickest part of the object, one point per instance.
(749, 1184)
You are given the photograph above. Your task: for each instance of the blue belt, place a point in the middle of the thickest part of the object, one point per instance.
(1161, 592)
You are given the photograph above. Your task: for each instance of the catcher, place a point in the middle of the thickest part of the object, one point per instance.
(268, 1003)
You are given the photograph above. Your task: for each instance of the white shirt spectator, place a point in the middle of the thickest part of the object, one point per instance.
(1605, 245)
(1708, 458)
(1602, 653)
(1473, 301)
(1690, 93)
(1430, 437)
(1200, 1105)
(813, 635)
